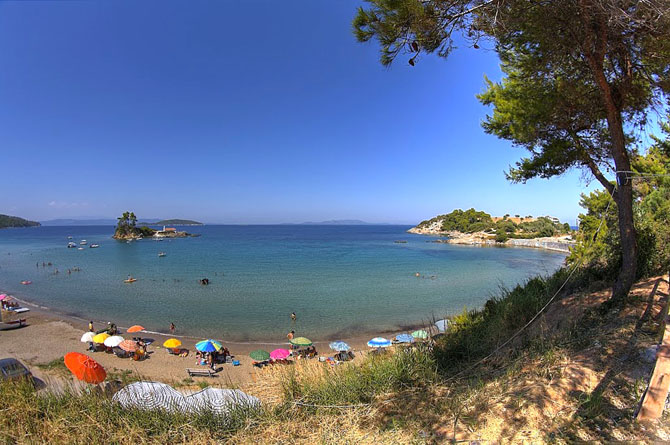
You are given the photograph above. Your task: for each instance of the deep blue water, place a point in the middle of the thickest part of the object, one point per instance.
(339, 280)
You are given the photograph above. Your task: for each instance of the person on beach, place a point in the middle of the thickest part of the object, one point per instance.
(90, 326)
(172, 328)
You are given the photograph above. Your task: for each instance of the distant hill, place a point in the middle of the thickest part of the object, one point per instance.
(14, 221)
(172, 222)
(80, 222)
(338, 222)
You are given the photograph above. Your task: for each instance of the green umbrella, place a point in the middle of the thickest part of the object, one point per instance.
(301, 341)
(259, 355)
(420, 334)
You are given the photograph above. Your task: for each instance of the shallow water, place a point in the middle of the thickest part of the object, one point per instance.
(339, 280)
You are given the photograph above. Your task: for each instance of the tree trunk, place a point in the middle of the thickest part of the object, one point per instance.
(628, 271)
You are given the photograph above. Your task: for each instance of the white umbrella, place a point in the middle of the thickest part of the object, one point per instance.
(87, 337)
(113, 341)
(441, 325)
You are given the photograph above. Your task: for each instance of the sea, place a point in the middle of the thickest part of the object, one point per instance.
(341, 281)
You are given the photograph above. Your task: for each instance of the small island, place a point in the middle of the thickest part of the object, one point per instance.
(473, 227)
(7, 221)
(127, 229)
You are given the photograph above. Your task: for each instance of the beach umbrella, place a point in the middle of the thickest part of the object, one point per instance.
(100, 338)
(259, 355)
(420, 334)
(87, 337)
(3, 296)
(135, 328)
(441, 325)
(279, 354)
(84, 367)
(339, 346)
(300, 341)
(172, 343)
(404, 338)
(113, 341)
(208, 345)
(379, 342)
(128, 345)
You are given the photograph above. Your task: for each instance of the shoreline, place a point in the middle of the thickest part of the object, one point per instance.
(480, 239)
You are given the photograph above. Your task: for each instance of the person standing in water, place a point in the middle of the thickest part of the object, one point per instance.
(293, 317)
(172, 328)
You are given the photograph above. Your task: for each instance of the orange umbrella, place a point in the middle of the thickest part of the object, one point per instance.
(135, 328)
(128, 345)
(85, 368)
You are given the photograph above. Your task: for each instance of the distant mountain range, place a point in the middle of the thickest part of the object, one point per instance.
(7, 221)
(80, 222)
(172, 222)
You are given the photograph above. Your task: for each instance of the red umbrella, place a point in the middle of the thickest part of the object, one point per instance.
(135, 328)
(128, 345)
(85, 368)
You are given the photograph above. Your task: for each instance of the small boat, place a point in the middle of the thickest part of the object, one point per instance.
(130, 280)
(12, 324)
(26, 282)
(70, 245)
(69, 237)
(161, 254)
(80, 248)
(83, 242)
(93, 246)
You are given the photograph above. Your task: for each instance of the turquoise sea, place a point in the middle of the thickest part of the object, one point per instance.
(339, 280)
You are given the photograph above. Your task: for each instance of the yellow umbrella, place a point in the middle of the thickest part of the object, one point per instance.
(172, 343)
(100, 338)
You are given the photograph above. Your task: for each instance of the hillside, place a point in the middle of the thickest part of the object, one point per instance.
(7, 221)
(173, 222)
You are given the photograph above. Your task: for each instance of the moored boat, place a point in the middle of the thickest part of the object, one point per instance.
(83, 242)
(12, 324)
(161, 254)
(93, 246)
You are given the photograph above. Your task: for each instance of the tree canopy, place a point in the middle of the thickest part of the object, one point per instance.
(580, 80)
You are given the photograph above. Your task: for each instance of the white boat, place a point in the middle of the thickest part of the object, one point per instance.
(71, 245)
(80, 248)
(93, 246)
(83, 242)
(161, 254)
(69, 237)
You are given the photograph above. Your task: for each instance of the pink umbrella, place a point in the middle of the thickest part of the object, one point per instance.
(3, 296)
(279, 354)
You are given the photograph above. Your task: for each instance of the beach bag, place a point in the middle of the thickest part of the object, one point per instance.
(236, 363)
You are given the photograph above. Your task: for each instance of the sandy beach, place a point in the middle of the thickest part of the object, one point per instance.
(49, 336)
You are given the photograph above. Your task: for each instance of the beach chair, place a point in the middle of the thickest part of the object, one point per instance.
(200, 372)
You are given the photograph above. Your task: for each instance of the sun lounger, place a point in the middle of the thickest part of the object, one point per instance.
(200, 372)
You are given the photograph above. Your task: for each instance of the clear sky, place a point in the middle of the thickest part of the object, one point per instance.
(243, 112)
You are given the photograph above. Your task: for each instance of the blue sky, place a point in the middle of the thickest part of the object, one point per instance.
(243, 112)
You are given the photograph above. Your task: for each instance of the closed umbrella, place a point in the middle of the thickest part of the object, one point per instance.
(171, 343)
(300, 341)
(135, 328)
(279, 354)
(85, 368)
(339, 346)
(128, 345)
(420, 334)
(100, 338)
(259, 355)
(379, 342)
(208, 346)
(87, 337)
(113, 341)
(404, 338)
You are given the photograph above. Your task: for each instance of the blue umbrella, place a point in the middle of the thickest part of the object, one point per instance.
(339, 346)
(208, 346)
(379, 342)
(404, 338)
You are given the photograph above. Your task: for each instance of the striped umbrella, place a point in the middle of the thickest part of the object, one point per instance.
(279, 354)
(113, 341)
(404, 338)
(420, 334)
(100, 338)
(339, 346)
(300, 341)
(148, 395)
(87, 337)
(208, 346)
(379, 342)
(259, 355)
(84, 367)
(128, 345)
